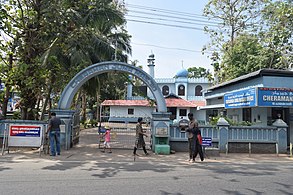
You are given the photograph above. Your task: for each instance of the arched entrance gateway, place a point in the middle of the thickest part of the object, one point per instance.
(160, 119)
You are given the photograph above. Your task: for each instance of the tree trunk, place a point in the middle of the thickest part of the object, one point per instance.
(46, 103)
(76, 102)
(24, 113)
(5, 101)
(7, 89)
(37, 117)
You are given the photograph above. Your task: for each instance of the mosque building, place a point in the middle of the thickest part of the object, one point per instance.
(182, 95)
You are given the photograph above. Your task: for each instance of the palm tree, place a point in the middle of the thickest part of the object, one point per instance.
(95, 32)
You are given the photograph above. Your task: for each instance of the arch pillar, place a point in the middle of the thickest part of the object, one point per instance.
(160, 126)
(66, 117)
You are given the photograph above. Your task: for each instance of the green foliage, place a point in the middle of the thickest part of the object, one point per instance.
(49, 42)
(277, 31)
(16, 115)
(214, 122)
(90, 123)
(252, 34)
(246, 56)
(199, 72)
(234, 17)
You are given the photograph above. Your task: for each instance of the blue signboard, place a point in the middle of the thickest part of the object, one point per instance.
(275, 97)
(206, 141)
(25, 130)
(242, 98)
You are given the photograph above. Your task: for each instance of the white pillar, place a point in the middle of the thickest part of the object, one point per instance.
(151, 65)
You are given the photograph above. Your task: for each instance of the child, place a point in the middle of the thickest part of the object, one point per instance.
(107, 137)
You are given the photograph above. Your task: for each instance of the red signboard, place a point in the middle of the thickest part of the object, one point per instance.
(25, 131)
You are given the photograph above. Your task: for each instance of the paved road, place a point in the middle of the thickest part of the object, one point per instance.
(85, 170)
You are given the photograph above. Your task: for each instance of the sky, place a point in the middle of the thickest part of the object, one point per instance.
(154, 39)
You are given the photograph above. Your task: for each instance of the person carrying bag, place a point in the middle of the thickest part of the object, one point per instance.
(198, 144)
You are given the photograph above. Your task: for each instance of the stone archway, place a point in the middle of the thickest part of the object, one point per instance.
(160, 123)
(99, 68)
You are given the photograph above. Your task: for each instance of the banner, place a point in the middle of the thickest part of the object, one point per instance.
(21, 135)
(275, 97)
(241, 98)
(25, 131)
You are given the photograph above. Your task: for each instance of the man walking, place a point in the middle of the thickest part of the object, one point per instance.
(191, 136)
(139, 141)
(54, 134)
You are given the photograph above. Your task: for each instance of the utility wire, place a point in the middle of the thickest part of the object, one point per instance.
(168, 20)
(171, 25)
(168, 11)
(166, 17)
(175, 17)
(171, 48)
(144, 17)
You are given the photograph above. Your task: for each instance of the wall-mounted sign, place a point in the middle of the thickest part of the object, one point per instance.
(161, 131)
(241, 98)
(183, 124)
(275, 97)
(206, 141)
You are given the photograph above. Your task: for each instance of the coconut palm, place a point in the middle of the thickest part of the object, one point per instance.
(95, 32)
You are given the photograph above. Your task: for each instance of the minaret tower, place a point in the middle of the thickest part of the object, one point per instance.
(151, 65)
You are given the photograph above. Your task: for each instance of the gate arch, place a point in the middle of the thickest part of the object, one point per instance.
(103, 67)
(70, 135)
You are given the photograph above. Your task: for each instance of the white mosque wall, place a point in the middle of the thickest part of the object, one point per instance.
(139, 111)
(189, 90)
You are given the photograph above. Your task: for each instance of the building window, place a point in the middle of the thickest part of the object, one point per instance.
(165, 90)
(182, 112)
(215, 113)
(247, 114)
(173, 112)
(181, 90)
(130, 111)
(198, 89)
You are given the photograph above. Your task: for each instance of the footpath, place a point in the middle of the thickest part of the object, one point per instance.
(87, 150)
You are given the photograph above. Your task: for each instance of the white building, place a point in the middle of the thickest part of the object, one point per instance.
(183, 95)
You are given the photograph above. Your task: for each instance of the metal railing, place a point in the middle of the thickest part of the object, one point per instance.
(237, 138)
(206, 131)
(252, 134)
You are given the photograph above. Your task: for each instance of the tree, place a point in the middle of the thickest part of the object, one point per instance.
(104, 39)
(247, 55)
(56, 40)
(199, 72)
(247, 46)
(276, 33)
(9, 41)
(28, 31)
(235, 17)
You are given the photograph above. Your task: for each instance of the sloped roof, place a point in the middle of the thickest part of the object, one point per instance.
(199, 103)
(258, 73)
(170, 102)
(175, 102)
(126, 103)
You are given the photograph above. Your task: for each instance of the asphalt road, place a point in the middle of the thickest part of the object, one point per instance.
(85, 170)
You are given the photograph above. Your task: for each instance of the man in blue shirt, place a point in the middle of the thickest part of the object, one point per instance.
(54, 134)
